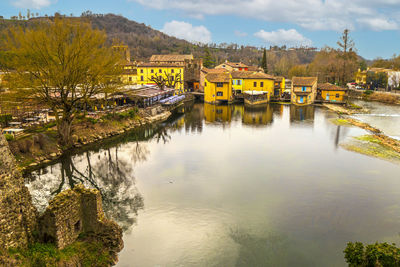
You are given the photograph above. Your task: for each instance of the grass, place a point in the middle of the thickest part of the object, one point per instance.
(371, 146)
(88, 253)
(354, 106)
(341, 122)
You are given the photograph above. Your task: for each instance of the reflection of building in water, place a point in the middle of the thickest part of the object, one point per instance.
(221, 113)
(301, 113)
(258, 115)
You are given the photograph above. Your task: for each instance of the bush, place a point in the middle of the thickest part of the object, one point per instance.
(378, 254)
(368, 92)
(5, 118)
(9, 137)
(24, 146)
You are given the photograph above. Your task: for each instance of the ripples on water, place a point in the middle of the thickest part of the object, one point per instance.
(232, 186)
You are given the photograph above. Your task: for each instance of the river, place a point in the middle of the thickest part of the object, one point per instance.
(231, 186)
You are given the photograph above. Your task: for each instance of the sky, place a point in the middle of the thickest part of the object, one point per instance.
(374, 24)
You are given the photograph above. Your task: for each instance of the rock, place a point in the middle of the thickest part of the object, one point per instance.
(53, 155)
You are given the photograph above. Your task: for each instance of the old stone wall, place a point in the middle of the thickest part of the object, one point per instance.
(76, 211)
(17, 213)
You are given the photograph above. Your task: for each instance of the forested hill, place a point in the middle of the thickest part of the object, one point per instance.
(144, 41)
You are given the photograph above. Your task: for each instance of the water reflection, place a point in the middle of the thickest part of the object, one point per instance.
(303, 114)
(258, 115)
(218, 113)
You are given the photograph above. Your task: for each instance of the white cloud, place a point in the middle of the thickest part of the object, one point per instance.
(240, 34)
(283, 37)
(310, 14)
(187, 31)
(379, 24)
(35, 4)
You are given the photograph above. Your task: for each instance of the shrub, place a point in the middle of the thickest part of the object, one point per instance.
(9, 137)
(24, 146)
(378, 254)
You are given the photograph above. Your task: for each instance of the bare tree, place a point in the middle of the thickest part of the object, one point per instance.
(166, 79)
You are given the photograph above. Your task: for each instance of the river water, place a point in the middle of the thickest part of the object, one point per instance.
(231, 186)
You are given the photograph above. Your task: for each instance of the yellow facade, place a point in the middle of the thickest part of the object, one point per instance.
(145, 74)
(281, 84)
(333, 96)
(129, 75)
(361, 77)
(238, 85)
(304, 90)
(218, 88)
(259, 85)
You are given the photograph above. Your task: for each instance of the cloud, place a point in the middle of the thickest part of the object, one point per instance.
(35, 4)
(283, 37)
(379, 24)
(187, 31)
(240, 34)
(309, 14)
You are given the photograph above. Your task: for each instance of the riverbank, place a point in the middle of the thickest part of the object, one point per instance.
(383, 97)
(39, 145)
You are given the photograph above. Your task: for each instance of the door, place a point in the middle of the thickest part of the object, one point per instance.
(301, 100)
(327, 96)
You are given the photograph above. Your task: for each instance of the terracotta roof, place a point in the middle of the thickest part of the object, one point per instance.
(207, 70)
(330, 87)
(236, 64)
(304, 81)
(158, 58)
(259, 75)
(241, 74)
(254, 68)
(160, 64)
(218, 77)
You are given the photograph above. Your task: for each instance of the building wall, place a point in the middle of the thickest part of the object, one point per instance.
(268, 85)
(211, 90)
(144, 75)
(235, 85)
(307, 99)
(333, 95)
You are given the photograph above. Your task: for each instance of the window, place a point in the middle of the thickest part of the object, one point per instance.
(172, 71)
(261, 84)
(255, 84)
(152, 71)
(141, 78)
(304, 89)
(141, 71)
(219, 111)
(130, 79)
(205, 83)
(172, 78)
(220, 84)
(159, 71)
(233, 82)
(239, 82)
(220, 93)
(337, 95)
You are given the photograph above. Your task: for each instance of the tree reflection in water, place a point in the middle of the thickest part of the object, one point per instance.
(109, 169)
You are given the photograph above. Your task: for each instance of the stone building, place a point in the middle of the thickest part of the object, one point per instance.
(17, 213)
(76, 211)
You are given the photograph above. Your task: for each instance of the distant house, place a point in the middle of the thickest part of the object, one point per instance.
(218, 88)
(233, 66)
(393, 76)
(304, 90)
(330, 92)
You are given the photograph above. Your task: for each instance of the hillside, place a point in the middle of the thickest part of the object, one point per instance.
(144, 41)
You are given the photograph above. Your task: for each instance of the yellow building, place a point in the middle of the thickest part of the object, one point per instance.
(129, 74)
(233, 66)
(332, 93)
(218, 88)
(304, 90)
(252, 81)
(361, 77)
(175, 71)
(280, 86)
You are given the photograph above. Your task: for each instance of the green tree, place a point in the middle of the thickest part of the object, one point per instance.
(61, 63)
(264, 63)
(208, 61)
